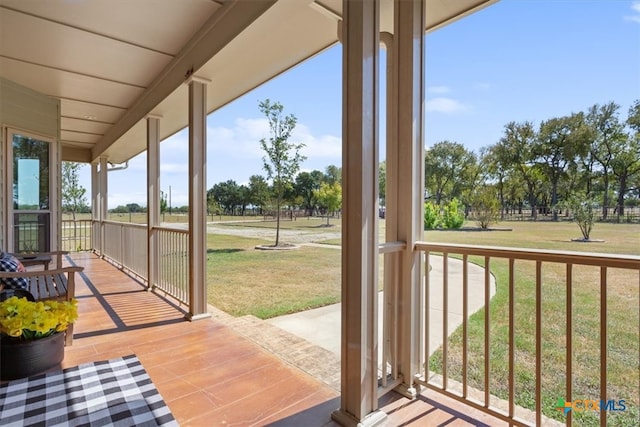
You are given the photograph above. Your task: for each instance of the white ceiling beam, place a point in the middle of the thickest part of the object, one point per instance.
(471, 9)
(222, 27)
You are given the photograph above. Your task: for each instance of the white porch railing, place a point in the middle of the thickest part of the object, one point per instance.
(561, 287)
(388, 374)
(173, 277)
(125, 244)
(77, 235)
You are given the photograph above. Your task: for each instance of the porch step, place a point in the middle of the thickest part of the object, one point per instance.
(306, 356)
(324, 365)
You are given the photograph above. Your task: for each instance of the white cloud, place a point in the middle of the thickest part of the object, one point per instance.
(438, 89)
(174, 144)
(635, 6)
(323, 146)
(174, 154)
(243, 139)
(232, 153)
(445, 105)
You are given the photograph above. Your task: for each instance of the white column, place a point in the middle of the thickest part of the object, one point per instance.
(103, 188)
(408, 77)
(391, 264)
(359, 362)
(197, 198)
(153, 198)
(95, 208)
(391, 151)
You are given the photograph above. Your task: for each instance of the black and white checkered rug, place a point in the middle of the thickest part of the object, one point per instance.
(116, 392)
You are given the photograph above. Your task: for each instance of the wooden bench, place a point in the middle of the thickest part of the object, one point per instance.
(53, 284)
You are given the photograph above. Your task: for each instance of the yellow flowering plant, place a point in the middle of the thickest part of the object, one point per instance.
(27, 320)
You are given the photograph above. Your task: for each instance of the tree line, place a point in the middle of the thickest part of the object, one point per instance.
(594, 154)
(315, 192)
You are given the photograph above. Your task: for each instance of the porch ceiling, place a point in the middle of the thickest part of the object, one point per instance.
(113, 63)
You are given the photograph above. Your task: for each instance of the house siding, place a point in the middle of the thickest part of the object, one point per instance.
(27, 110)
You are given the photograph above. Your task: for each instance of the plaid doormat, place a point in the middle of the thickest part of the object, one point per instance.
(116, 392)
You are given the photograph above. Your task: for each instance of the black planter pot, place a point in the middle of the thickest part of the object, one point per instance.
(20, 359)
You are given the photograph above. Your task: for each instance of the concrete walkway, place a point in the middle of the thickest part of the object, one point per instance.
(310, 339)
(321, 326)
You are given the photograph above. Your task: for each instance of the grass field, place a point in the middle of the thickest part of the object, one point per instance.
(310, 277)
(243, 280)
(618, 238)
(623, 321)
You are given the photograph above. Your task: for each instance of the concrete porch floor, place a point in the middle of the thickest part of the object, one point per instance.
(225, 370)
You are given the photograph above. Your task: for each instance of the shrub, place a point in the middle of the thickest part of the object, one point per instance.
(431, 216)
(582, 206)
(453, 214)
(485, 207)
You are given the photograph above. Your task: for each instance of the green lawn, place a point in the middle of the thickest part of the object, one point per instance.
(618, 238)
(623, 320)
(243, 280)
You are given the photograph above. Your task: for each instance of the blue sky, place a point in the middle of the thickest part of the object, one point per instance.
(518, 60)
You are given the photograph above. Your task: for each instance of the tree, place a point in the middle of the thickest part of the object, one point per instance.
(333, 174)
(626, 165)
(283, 158)
(607, 134)
(73, 194)
(163, 202)
(449, 168)
(382, 182)
(244, 198)
(259, 192)
(558, 144)
(515, 192)
(517, 142)
(120, 209)
(227, 195)
(634, 118)
(329, 196)
(213, 208)
(135, 208)
(307, 183)
(495, 164)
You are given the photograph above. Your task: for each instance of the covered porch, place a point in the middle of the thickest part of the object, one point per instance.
(206, 369)
(210, 372)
